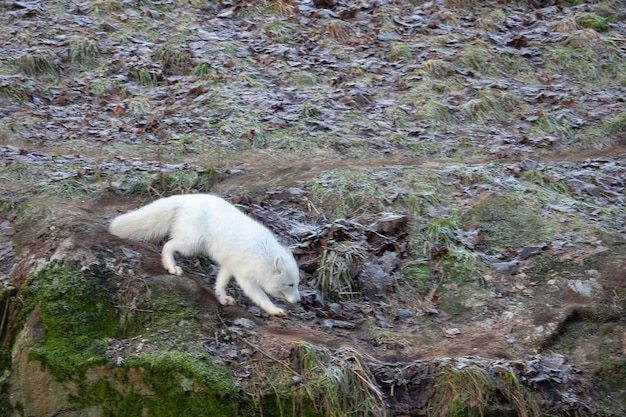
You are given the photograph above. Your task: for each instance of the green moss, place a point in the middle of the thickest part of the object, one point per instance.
(79, 319)
(465, 301)
(610, 386)
(421, 276)
(76, 316)
(543, 268)
(507, 220)
(169, 395)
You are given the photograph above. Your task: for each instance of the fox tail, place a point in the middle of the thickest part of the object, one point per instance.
(151, 222)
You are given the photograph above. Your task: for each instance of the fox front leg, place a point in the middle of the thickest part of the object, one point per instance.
(256, 294)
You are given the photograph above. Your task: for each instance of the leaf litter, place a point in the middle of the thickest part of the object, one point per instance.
(515, 93)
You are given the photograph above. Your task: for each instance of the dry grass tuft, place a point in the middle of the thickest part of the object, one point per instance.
(284, 8)
(447, 17)
(437, 68)
(334, 276)
(460, 4)
(583, 39)
(338, 383)
(176, 59)
(566, 25)
(340, 30)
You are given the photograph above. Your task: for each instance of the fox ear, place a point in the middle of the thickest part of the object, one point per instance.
(279, 264)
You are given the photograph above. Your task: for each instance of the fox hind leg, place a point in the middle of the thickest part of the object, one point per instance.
(167, 257)
(223, 277)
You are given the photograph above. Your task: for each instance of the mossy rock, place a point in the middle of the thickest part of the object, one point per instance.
(507, 221)
(589, 20)
(72, 315)
(76, 315)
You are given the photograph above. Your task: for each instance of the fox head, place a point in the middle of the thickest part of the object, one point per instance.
(285, 279)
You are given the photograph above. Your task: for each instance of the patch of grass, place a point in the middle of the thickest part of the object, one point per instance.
(551, 124)
(437, 111)
(284, 8)
(437, 68)
(491, 20)
(399, 51)
(229, 48)
(467, 391)
(141, 183)
(103, 87)
(303, 78)
(440, 231)
(615, 125)
(244, 131)
(105, 7)
(345, 192)
(145, 76)
(421, 275)
(37, 63)
(381, 336)
(584, 40)
(83, 51)
(542, 268)
(459, 264)
(207, 72)
(13, 88)
(590, 20)
(420, 198)
(472, 391)
(507, 220)
(460, 4)
(184, 181)
(424, 148)
(137, 105)
(478, 57)
(72, 187)
(547, 179)
(175, 58)
(282, 31)
(584, 64)
(469, 175)
(485, 107)
(448, 17)
(287, 140)
(177, 182)
(309, 110)
(251, 80)
(566, 25)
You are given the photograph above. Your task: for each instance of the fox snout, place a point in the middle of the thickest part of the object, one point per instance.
(293, 297)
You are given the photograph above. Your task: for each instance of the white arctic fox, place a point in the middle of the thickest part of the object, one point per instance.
(207, 224)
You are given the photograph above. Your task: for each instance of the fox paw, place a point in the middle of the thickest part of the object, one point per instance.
(227, 300)
(276, 311)
(175, 270)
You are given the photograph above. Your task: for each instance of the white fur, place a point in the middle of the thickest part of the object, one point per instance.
(206, 224)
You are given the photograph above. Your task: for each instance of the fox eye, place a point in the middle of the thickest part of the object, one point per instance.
(290, 285)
